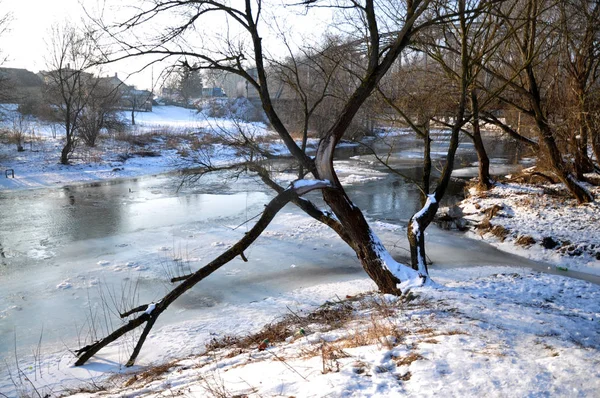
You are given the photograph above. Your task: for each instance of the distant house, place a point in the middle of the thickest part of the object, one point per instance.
(53, 76)
(212, 92)
(137, 100)
(131, 98)
(113, 81)
(16, 85)
(236, 86)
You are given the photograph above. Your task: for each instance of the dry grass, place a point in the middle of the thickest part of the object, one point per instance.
(363, 320)
(380, 331)
(408, 359)
(329, 316)
(500, 232)
(330, 354)
(139, 140)
(150, 374)
(525, 240)
(491, 212)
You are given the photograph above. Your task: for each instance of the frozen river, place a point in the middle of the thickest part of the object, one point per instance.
(61, 250)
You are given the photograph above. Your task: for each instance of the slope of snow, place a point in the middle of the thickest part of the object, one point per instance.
(562, 233)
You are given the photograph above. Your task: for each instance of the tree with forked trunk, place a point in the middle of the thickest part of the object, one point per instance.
(378, 41)
(443, 86)
(71, 90)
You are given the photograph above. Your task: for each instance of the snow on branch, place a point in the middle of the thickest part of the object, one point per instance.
(303, 186)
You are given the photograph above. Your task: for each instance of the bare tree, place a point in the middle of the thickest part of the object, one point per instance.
(100, 111)
(458, 66)
(67, 86)
(20, 128)
(580, 55)
(305, 83)
(523, 67)
(5, 89)
(137, 100)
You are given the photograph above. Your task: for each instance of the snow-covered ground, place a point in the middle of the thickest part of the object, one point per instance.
(156, 144)
(486, 332)
(539, 222)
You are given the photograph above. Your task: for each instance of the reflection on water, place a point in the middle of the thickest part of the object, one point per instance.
(57, 217)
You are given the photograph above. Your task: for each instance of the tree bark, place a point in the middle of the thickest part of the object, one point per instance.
(596, 145)
(67, 149)
(485, 180)
(368, 249)
(583, 163)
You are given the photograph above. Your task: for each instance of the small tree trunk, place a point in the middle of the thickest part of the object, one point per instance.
(67, 149)
(596, 145)
(579, 192)
(427, 165)
(485, 180)
(421, 220)
(583, 163)
(416, 234)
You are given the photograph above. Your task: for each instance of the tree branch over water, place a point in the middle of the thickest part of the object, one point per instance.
(153, 310)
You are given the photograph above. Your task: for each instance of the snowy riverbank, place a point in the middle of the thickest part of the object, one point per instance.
(163, 140)
(538, 222)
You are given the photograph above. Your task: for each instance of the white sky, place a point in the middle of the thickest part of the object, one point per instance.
(25, 44)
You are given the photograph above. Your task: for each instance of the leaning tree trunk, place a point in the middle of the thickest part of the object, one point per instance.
(376, 261)
(579, 192)
(367, 248)
(548, 143)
